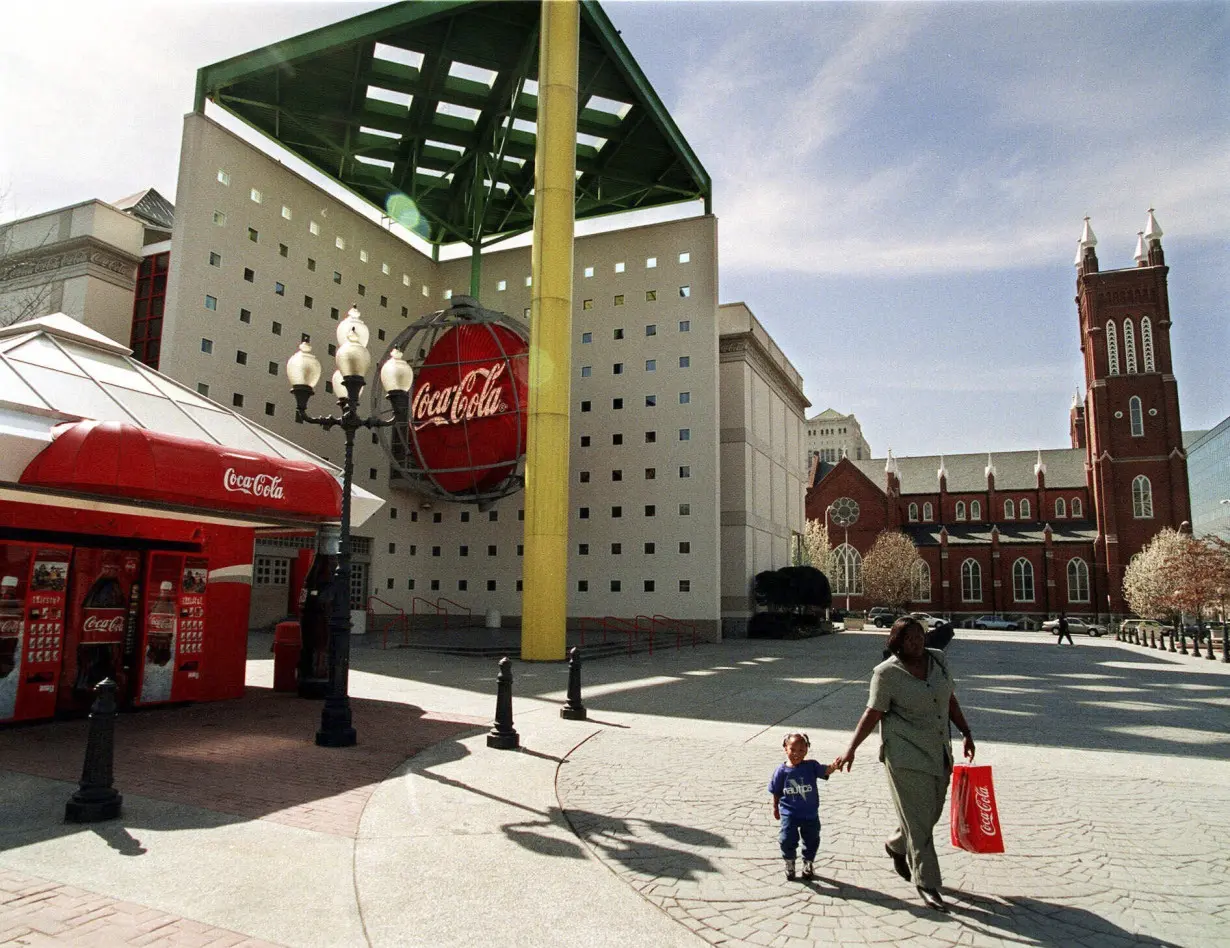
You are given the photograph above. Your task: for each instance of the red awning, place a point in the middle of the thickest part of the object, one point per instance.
(122, 460)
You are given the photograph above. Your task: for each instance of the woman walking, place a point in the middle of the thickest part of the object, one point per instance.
(912, 700)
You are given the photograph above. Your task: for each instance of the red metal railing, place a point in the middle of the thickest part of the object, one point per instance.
(443, 610)
(680, 626)
(414, 607)
(633, 627)
(398, 616)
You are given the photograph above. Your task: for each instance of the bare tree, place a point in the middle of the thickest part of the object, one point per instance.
(22, 294)
(890, 570)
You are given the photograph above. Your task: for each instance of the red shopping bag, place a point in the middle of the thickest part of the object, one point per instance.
(975, 819)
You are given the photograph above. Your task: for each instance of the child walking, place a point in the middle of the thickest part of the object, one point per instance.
(796, 802)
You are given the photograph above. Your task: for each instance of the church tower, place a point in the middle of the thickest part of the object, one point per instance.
(1133, 439)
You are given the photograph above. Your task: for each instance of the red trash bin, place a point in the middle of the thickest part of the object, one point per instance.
(287, 644)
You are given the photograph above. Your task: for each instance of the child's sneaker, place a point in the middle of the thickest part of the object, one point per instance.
(809, 869)
(789, 870)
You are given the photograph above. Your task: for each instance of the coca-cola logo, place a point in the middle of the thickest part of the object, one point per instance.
(986, 810)
(103, 626)
(468, 407)
(11, 627)
(268, 486)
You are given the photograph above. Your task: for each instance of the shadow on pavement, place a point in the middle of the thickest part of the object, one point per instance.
(1034, 922)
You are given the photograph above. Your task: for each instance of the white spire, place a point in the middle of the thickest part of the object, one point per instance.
(990, 468)
(1141, 254)
(943, 471)
(1076, 398)
(1153, 230)
(890, 466)
(1039, 465)
(1087, 237)
(1080, 252)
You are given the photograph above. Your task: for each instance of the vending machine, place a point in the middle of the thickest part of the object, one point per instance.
(33, 586)
(172, 648)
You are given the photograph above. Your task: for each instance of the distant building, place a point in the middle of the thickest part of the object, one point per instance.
(1208, 478)
(832, 436)
(1040, 532)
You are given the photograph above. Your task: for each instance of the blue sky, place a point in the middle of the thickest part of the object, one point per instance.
(900, 187)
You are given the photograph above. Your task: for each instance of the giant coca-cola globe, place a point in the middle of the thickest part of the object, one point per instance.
(467, 429)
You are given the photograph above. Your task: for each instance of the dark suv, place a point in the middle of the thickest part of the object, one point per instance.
(881, 616)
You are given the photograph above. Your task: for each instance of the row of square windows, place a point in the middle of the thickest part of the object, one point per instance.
(616, 585)
(651, 329)
(649, 548)
(651, 365)
(651, 473)
(651, 437)
(651, 296)
(617, 404)
(279, 288)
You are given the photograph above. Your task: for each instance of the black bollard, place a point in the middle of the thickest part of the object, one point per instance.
(503, 736)
(1152, 638)
(95, 799)
(1208, 652)
(1172, 648)
(573, 710)
(1225, 640)
(1182, 641)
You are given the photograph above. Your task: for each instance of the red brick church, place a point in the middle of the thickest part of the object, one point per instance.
(1035, 533)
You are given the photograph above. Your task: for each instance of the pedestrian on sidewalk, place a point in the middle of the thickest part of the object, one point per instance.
(1062, 629)
(795, 786)
(913, 699)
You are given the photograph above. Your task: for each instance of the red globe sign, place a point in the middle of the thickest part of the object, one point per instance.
(468, 407)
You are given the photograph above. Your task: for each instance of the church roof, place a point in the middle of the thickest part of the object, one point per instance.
(1014, 470)
(979, 534)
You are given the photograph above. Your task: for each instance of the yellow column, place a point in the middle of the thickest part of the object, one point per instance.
(544, 600)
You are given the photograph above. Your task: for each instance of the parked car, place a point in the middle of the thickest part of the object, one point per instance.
(996, 622)
(881, 616)
(1143, 627)
(928, 620)
(1074, 625)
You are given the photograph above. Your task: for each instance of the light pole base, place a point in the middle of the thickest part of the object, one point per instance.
(93, 806)
(338, 737)
(336, 729)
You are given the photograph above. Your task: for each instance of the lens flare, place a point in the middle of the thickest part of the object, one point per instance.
(402, 209)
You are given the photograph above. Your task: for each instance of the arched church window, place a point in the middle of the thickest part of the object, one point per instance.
(1142, 498)
(848, 571)
(1137, 417)
(922, 582)
(1129, 347)
(913, 514)
(1026, 510)
(1077, 511)
(960, 510)
(1009, 510)
(971, 581)
(928, 512)
(1061, 509)
(1023, 580)
(1078, 580)
(1112, 349)
(975, 510)
(1146, 343)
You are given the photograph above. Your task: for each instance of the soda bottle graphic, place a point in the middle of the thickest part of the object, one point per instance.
(12, 624)
(160, 646)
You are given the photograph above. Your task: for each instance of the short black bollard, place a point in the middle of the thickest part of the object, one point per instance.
(1225, 640)
(1172, 648)
(573, 710)
(1152, 638)
(1208, 652)
(503, 736)
(95, 799)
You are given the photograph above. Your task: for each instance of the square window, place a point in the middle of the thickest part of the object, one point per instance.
(414, 516)
(380, 334)
(384, 302)
(619, 299)
(685, 434)
(651, 262)
(651, 329)
(617, 549)
(587, 371)
(363, 256)
(651, 510)
(437, 517)
(219, 219)
(337, 277)
(332, 349)
(405, 312)
(519, 581)
(529, 281)
(651, 401)
(249, 274)
(435, 551)
(617, 475)
(211, 302)
(426, 290)
(648, 585)
(241, 357)
(276, 328)
(649, 549)
(583, 513)
(651, 437)
(333, 312)
(685, 471)
(589, 272)
(215, 259)
(651, 473)
(685, 398)
(650, 296)
(491, 548)
(651, 365)
(617, 512)
(307, 302)
(362, 290)
(685, 362)
(685, 291)
(491, 585)
(617, 404)
(685, 510)
(253, 235)
(223, 177)
(311, 264)
(255, 195)
(493, 515)
(305, 337)
(285, 212)
(269, 408)
(617, 439)
(273, 368)
(384, 268)
(203, 388)
(618, 334)
(283, 250)
(371, 473)
(685, 547)
(617, 368)
(583, 549)
(587, 338)
(339, 243)
(465, 516)
(582, 585)
(587, 304)
(207, 346)
(279, 289)
(313, 228)
(585, 441)
(685, 325)
(619, 267)
(237, 400)
(585, 406)
(393, 516)
(435, 585)
(501, 286)
(462, 585)
(614, 585)
(685, 585)
(521, 514)
(463, 550)
(583, 477)
(410, 584)
(685, 257)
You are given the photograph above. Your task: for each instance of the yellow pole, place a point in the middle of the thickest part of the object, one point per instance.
(544, 599)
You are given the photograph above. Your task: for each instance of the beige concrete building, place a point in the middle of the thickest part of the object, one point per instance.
(832, 436)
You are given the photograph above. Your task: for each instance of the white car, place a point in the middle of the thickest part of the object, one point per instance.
(928, 620)
(1074, 625)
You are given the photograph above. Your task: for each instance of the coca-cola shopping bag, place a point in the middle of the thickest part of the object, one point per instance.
(975, 820)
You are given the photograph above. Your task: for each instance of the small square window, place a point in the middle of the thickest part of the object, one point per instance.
(685, 471)
(405, 312)
(651, 437)
(371, 473)
(617, 439)
(685, 361)
(583, 513)
(585, 441)
(203, 388)
(618, 334)
(219, 219)
(435, 585)
(651, 365)
(617, 368)
(585, 406)
(332, 349)
(583, 477)
(587, 371)
(529, 281)
(305, 337)
(685, 257)
(685, 585)
(273, 368)
(384, 268)
(211, 302)
(685, 434)
(254, 235)
(651, 401)
(249, 274)
(307, 302)
(380, 334)
(617, 404)
(501, 286)
(437, 517)
(493, 515)
(685, 398)
(255, 195)
(651, 473)
(362, 290)
(426, 290)
(333, 313)
(313, 228)
(587, 304)
(339, 243)
(311, 264)
(651, 329)
(337, 277)
(587, 338)
(589, 272)
(435, 551)
(279, 289)
(685, 510)
(617, 475)
(223, 177)
(582, 549)
(215, 259)
(491, 585)
(384, 302)
(617, 549)
(410, 584)
(651, 510)
(389, 583)
(462, 585)
(276, 328)
(414, 516)
(491, 548)
(519, 581)
(685, 547)
(685, 291)
(269, 408)
(237, 400)
(393, 516)
(685, 325)
(648, 585)
(650, 296)
(651, 262)
(649, 549)
(619, 267)
(617, 512)
(286, 212)
(283, 250)
(614, 585)
(241, 357)
(582, 585)
(619, 299)
(465, 516)
(521, 515)
(363, 256)
(463, 550)
(207, 346)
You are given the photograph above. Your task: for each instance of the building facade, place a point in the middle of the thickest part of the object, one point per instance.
(1208, 476)
(1037, 533)
(832, 436)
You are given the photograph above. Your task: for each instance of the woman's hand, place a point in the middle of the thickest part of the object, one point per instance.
(968, 747)
(844, 761)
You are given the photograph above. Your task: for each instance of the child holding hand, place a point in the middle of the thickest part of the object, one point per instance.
(796, 803)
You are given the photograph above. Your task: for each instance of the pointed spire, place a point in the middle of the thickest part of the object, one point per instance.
(1087, 237)
(1086, 256)
(990, 468)
(1153, 230)
(890, 466)
(1039, 465)
(1076, 398)
(943, 471)
(1080, 253)
(1142, 255)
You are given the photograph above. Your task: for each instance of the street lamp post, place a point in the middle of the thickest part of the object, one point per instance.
(303, 372)
(843, 518)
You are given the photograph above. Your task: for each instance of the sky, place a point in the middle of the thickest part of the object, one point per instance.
(899, 187)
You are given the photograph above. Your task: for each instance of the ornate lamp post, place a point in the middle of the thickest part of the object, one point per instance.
(844, 512)
(303, 371)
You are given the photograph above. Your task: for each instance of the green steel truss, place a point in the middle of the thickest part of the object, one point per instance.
(435, 102)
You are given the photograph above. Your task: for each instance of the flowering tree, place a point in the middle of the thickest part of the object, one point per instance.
(1145, 584)
(813, 548)
(1176, 574)
(890, 570)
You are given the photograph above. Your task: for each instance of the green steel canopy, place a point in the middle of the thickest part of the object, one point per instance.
(426, 110)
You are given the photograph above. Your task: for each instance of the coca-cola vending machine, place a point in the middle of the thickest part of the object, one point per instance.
(33, 585)
(172, 649)
(103, 613)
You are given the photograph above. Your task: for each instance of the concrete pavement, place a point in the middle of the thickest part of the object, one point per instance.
(648, 824)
